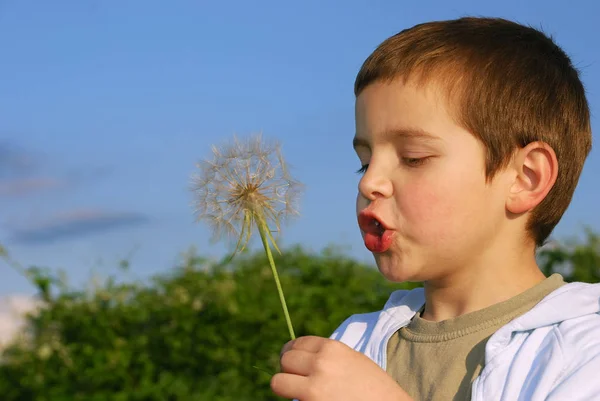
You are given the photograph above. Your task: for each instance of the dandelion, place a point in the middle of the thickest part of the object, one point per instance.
(246, 187)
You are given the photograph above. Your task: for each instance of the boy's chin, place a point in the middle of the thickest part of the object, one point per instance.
(396, 270)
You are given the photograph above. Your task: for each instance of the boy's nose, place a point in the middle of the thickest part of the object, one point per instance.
(373, 186)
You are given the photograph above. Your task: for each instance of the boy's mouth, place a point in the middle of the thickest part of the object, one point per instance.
(377, 236)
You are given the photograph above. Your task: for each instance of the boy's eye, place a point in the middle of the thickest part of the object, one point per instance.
(362, 169)
(415, 161)
(409, 161)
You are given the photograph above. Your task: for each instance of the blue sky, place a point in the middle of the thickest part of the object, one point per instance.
(105, 106)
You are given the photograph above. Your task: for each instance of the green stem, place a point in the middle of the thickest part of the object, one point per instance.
(263, 236)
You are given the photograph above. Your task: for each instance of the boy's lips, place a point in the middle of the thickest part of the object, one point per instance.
(377, 235)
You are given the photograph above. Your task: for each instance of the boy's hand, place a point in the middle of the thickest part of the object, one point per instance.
(320, 369)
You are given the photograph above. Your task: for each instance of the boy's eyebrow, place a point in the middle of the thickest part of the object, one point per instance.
(393, 134)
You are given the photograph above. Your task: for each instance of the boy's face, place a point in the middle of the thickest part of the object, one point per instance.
(425, 184)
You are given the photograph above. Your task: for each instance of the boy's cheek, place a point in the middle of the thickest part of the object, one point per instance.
(426, 201)
(434, 211)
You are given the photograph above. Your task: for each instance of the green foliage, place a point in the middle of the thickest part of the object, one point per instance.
(575, 259)
(195, 334)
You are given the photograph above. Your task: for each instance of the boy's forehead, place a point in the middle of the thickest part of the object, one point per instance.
(394, 110)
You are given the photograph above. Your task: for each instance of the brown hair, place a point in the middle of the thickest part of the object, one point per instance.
(510, 85)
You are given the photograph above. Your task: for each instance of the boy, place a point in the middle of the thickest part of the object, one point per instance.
(472, 135)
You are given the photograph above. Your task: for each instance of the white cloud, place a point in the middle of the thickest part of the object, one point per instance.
(12, 312)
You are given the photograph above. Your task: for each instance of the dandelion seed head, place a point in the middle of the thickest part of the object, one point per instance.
(244, 180)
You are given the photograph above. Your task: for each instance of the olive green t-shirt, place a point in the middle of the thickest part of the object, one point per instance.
(438, 361)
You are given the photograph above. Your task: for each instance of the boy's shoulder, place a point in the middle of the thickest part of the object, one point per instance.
(573, 313)
(572, 307)
(580, 338)
(552, 351)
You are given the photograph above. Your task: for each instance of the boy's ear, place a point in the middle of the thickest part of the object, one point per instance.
(536, 168)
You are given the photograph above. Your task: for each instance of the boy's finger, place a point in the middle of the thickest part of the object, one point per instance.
(297, 362)
(309, 343)
(289, 386)
(286, 347)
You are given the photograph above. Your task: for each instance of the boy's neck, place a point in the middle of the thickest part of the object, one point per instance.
(479, 288)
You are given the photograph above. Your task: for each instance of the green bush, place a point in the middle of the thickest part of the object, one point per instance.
(195, 334)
